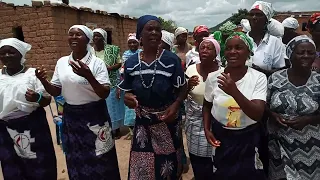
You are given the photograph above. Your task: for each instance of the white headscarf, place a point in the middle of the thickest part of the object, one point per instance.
(265, 7)
(87, 31)
(102, 32)
(290, 22)
(167, 37)
(295, 42)
(132, 36)
(245, 24)
(180, 30)
(22, 47)
(275, 28)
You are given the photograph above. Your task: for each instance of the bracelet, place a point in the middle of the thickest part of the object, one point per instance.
(40, 97)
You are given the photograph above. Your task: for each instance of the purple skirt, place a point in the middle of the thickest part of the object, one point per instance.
(89, 146)
(238, 156)
(26, 148)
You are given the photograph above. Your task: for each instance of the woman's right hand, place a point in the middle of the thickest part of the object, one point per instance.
(211, 139)
(130, 100)
(41, 73)
(277, 118)
(193, 81)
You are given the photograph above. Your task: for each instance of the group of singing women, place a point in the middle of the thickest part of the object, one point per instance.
(249, 114)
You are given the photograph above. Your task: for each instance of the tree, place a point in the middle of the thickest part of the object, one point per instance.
(168, 25)
(241, 14)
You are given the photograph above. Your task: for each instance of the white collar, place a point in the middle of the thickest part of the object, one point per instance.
(86, 59)
(264, 39)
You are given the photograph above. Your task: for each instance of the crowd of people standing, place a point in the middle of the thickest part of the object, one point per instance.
(250, 98)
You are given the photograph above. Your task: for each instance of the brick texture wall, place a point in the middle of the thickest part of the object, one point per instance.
(45, 26)
(302, 17)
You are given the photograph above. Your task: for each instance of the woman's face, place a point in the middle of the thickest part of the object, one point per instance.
(77, 40)
(257, 19)
(133, 44)
(182, 38)
(199, 37)
(207, 52)
(303, 56)
(151, 34)
(98, 38)
(10, 57)
(236, 52)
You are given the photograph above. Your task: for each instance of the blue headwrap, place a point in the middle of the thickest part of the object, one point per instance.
(142, 21)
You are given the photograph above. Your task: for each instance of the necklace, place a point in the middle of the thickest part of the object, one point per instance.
(154, 70)
(5, 71)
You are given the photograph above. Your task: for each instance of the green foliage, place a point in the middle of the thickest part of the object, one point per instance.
(168, 25)
(235, 18)
(241, 14)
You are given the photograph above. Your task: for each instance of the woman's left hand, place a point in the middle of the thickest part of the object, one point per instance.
(32, 96)
(171, 113)
(227, 84)
(82, 71)
(298, 123)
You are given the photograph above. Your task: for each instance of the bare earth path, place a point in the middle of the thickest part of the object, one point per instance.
(123, 150)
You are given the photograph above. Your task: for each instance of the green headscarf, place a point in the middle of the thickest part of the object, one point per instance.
(228, 28)
(244, 38)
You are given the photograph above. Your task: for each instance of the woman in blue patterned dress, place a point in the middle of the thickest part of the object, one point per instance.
(155, 86)
(294, 126)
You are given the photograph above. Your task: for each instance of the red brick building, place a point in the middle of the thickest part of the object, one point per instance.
(44, 25)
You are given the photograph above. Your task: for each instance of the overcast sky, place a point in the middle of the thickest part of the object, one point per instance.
(186, 13)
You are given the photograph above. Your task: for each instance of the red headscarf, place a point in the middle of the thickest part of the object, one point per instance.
(314, 19)
(199, 29)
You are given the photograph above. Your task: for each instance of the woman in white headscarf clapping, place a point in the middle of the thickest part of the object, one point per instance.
(83, 80)
(26, 148)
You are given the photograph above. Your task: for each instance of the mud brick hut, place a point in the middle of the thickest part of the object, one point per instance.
(44, 25)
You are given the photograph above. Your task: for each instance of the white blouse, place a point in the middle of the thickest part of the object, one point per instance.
(13, 103)
(75, 89)
(225, 109)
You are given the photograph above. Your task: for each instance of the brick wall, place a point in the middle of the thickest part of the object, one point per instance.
(45, 27)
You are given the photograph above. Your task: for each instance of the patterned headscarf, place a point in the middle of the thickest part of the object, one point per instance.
(265, 7)
(142, 21)
(314, 19)
(199, 29)
(180, 30)
(244, 38)
(290, 22)
(228, 28)
(167, 37)
(295, 42)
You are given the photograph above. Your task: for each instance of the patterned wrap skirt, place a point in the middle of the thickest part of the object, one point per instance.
(238, 155)
(26, 148)
(156, 149)
(89, 146)
(116, 108)
(294, 154)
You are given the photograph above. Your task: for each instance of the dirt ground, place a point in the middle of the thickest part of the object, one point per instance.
(123, 151)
